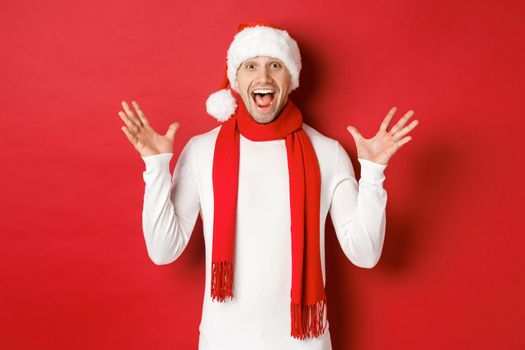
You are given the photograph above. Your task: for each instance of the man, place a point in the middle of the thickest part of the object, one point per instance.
(263, 182)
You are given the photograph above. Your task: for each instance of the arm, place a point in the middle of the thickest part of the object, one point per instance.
(358, 209)
(171, 205)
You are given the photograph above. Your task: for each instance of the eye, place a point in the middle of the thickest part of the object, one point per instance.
(249, 66)
(275, 65)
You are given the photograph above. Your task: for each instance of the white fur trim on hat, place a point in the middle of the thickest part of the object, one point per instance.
(221, 105)
(263, 41)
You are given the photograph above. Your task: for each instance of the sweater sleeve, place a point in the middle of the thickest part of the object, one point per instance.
(171, 205)
(358, 210)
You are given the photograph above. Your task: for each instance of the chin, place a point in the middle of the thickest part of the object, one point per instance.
(264, 115)
(258, 116)
(263, 118)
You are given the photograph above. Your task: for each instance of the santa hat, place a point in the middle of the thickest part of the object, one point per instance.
(253, 39)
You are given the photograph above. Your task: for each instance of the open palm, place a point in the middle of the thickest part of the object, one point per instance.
(384, 144)
(143, 137)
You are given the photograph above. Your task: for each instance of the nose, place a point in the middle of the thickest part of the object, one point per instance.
(264, 75)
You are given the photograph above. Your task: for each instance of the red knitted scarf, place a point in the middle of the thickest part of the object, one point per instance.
(308, 309)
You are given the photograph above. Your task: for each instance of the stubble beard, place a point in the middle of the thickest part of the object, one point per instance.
(265, 118)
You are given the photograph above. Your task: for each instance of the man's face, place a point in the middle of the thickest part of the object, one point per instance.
(264, 85)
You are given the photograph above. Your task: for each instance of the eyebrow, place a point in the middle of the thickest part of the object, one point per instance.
(255, 63)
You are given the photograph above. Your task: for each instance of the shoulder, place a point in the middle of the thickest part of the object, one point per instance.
(330, 155)
(204, 140)
(200, 147)
(322, 144)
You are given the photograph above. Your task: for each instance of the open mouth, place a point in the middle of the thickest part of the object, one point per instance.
(263, 98)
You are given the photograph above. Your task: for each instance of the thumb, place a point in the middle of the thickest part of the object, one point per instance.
(355, 134)
(170, 134)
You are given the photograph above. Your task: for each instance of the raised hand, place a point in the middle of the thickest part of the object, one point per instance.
(142, 136)
(384, 144)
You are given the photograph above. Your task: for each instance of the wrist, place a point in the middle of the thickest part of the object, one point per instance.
(372, 172)
(159, 161)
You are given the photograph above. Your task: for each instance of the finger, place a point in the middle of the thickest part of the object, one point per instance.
(356, 134)
(388, 118)
(131, 115)
(171, 130)
(402, 121)
(405, 130)
(132, 138)
(132, 127)
(141, 115)
(401, 142)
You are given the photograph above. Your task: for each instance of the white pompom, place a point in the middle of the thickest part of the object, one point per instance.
(221, 105)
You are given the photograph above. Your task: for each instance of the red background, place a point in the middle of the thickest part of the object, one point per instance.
(74, 269)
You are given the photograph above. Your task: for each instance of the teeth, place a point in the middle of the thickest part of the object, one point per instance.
(263, 91)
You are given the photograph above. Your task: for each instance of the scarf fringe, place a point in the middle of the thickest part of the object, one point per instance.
(222, 280)
(310, 321)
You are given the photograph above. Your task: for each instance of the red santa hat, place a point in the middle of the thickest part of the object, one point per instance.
(253, 39)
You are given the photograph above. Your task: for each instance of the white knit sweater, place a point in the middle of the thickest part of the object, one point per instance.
(258, 317)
